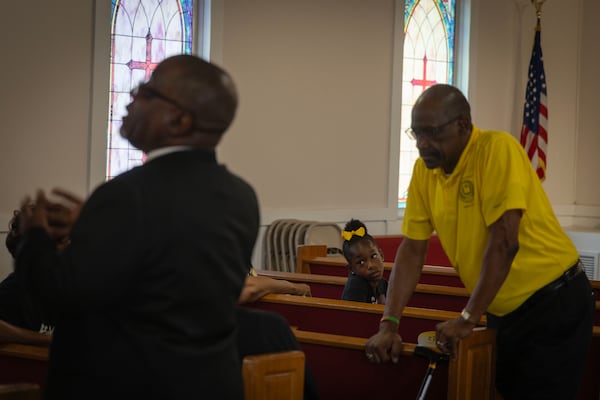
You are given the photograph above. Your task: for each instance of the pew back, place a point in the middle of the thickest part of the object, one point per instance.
(23, 363)
(435, 253)
(331, 287)
(20, 391)
(314, 260)
(350, 318)
(342, 370)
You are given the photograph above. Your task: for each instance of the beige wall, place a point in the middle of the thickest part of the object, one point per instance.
(44, 100)
(45, 97)
(588, 133)
(314, 79)
(314, 128)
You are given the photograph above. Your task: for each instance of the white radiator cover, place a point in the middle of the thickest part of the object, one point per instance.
(591, 264)
(588, 247)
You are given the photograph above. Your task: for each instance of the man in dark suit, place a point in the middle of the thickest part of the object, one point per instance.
(146, 290)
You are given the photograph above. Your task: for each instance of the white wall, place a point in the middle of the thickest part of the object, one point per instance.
(44, 103)
(314, 130)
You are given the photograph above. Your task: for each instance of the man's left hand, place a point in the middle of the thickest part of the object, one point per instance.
(449, 333)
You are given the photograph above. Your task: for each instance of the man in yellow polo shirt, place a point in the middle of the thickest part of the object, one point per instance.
(478, 191)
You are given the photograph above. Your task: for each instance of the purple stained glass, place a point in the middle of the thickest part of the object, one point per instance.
(143, 33)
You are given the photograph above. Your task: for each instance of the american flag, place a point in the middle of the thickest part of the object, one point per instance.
(534, 134)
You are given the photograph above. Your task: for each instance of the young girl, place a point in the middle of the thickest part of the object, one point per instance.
(365, 261)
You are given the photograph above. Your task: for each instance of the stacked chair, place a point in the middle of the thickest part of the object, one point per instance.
(283, 237)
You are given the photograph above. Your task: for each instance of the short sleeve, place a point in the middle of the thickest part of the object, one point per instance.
(505, 174)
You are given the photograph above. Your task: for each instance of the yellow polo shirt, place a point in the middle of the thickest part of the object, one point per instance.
(492, 176)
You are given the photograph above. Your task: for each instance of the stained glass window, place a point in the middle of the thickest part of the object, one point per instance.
(428, 59)
(143, 33)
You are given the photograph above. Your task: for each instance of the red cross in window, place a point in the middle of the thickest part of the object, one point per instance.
(423, 82)
(147, 65)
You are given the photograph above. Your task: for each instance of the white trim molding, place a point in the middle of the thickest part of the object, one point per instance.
(575, 217)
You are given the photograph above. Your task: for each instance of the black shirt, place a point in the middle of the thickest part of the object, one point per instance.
(18, 308)
(359, 289)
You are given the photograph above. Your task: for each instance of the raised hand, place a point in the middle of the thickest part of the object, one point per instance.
(63, 213)
(34, 214)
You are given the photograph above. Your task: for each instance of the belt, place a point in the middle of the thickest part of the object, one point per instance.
(564, 279)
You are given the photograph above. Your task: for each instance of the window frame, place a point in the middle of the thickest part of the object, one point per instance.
(208, 25)
(461, 73)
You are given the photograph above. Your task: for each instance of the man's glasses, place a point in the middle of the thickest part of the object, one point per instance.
(431, 133)
(147, 92)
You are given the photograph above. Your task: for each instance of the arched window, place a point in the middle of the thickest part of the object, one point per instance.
(143, 33)
(428, 58)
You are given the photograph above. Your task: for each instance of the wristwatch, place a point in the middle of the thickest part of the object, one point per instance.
(468, 317)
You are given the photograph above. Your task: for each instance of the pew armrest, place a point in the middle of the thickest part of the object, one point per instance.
(471, 375)
(274, 376)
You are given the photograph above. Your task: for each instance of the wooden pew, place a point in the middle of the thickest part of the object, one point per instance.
(426, 296)
(313, 259)
(23, 363)
(435, 253)
(341, 317)
(342, 371)
(281, 373)
(331, 287)
(274, 376)
(20, 391)
(327, 354)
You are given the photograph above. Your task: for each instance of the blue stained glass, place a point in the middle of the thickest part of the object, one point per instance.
(187, 12)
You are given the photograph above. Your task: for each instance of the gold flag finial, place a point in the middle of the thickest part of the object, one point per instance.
(538, 7)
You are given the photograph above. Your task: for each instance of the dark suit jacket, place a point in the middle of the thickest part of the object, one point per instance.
(261, 331)
(147, 288)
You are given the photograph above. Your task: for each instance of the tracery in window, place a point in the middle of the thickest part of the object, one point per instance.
(428, 59)
(143, 33)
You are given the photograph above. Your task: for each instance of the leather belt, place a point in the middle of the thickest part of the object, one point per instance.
(562, 280)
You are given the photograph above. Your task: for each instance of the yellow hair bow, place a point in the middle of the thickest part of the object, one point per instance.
(347, 235)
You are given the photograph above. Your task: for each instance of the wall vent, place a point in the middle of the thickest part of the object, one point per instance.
(591, 264)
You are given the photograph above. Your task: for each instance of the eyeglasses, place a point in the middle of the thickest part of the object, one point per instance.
(431, 133)
(147, 92)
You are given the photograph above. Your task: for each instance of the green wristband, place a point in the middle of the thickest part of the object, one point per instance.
(391, 319)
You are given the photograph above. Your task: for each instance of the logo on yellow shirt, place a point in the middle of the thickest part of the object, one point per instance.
(467, 191)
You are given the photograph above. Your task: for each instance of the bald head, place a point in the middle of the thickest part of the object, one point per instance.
(448, 101)
(206, 90)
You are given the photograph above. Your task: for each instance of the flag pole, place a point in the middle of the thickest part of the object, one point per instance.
(534, 133)
(538, 7)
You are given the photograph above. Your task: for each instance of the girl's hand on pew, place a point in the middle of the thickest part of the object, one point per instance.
(301, 289)
(385, 345)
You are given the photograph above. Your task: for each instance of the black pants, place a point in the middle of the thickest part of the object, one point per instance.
(542, 346)
(261, 332)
